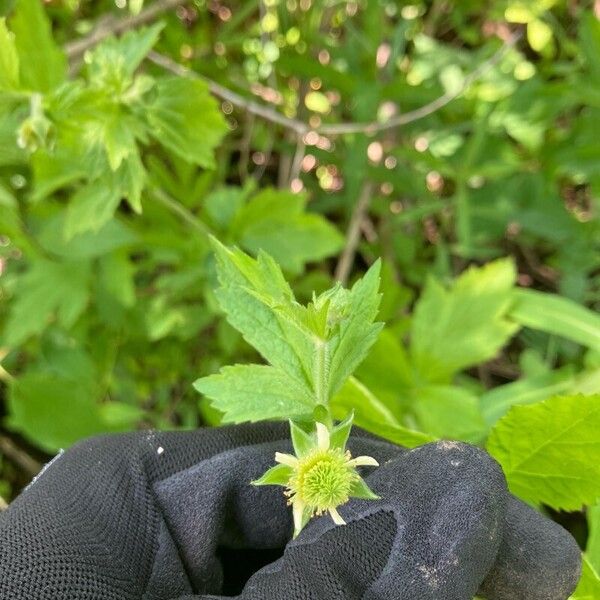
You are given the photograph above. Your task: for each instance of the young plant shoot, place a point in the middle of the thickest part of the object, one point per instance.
(312, 350)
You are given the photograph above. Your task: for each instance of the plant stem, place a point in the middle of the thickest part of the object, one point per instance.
(181, 211)
(321, 372)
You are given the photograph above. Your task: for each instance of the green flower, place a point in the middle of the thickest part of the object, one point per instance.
(322, 476)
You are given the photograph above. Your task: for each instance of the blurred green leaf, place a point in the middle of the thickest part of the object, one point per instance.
(43, 65)
(276, 222)
(53, 411)
(496, 402)
(448, 411)
(91, 207)
(593, 543)
(558, 316)
(9, 59)
(126, 52)
(91, 244)
(184, 118)
(589, 33)
(356, 397)
(48, 290)
(455, 328)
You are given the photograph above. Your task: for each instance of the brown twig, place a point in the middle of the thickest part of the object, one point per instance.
(226, 94)
(301, 128)
(296, 165)
(353, 234)
(109, 27)
(19, 456)
(427, 109)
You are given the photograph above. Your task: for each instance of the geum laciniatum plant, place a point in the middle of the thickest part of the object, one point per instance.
(312, 350)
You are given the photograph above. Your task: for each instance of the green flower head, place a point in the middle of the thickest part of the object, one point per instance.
(321, 476)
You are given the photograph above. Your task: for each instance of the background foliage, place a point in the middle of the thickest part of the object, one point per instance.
(119, 155)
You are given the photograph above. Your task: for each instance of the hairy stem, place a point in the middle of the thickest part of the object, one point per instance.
(321, 372)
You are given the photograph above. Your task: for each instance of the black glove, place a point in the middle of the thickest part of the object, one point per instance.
(165, 516)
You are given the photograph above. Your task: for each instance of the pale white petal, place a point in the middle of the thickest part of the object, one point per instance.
(286, 459)
(363, 461)
(323, 439)
(337, 518)
(298, 510)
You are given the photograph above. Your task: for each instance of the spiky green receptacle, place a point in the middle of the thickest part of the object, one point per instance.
(322, 476)
(323, 479)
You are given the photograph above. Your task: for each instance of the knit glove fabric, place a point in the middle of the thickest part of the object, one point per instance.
(171, 516)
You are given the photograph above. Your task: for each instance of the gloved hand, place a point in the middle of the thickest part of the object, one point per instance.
(165, 516)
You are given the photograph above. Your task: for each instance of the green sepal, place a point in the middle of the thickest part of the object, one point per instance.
(341, 433)
(277, 475)
(303, 442)
(306, 515)
(361, 490)
(321, 414)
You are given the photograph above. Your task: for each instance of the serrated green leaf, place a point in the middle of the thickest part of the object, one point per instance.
(254, 318)
(254, 393)
(276, 222)
(277, 475)
(49, 289)
(357, 331)
(557, 315)
(550, 451)
(42, 64)
(186, 119)
(9, 59)
(467, 324)
(316, 347)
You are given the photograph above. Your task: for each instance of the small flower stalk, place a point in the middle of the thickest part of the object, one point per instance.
(322, 474)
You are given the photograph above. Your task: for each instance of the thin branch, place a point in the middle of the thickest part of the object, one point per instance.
(296, 165)
(19, 456)
(110, 27)
(226, 94)
(353, 234)
(427, 109)
(181, 211)
(301, 128)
